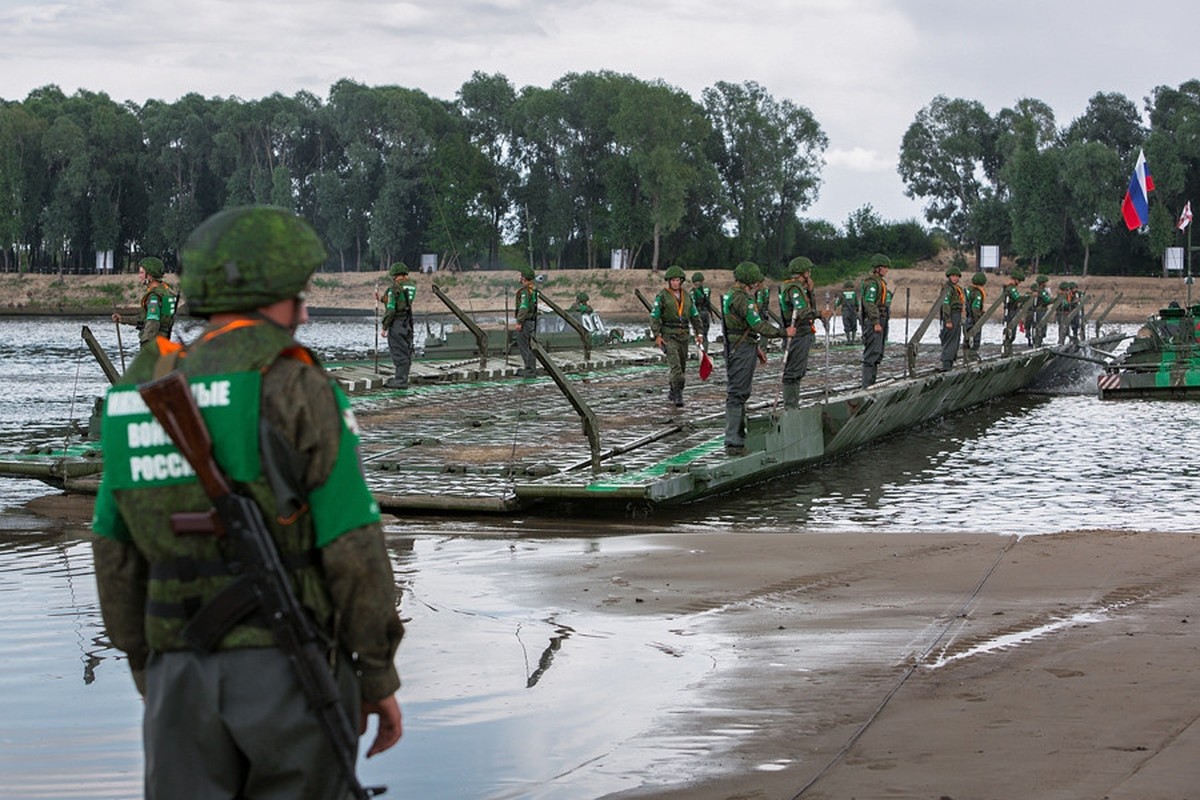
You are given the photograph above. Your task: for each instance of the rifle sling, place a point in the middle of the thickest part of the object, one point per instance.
(227, 608)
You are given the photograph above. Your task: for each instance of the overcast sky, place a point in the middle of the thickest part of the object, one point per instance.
(863, 67)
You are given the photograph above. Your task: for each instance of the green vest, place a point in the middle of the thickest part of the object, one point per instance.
(146, 481)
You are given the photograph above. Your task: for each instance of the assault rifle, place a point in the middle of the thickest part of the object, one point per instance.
(239, 518)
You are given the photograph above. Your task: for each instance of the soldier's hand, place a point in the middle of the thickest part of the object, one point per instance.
(658, 342)
(116, 317)
(391, 725)
(791, 331)
(878, 328)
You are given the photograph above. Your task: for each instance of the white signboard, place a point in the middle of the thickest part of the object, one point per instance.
(989, 257)
(428, 262)
(620, 259)
(104, 261)
(1173, 259)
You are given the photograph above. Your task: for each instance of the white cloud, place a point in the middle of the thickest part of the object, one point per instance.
(863, 67)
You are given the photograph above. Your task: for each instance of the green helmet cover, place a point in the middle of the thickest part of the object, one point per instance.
(952, 270)
(880, 260)
(527, 273)
(153, 266)
(248, 257)
(747, 272)
(848, 285)
(674, 272)
(697, 277)
(581, 297)
(799, 265)
(1018, 275)
(399, 268)
(1043, 278)
(979, 279)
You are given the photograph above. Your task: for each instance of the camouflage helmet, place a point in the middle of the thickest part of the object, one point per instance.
(1043, 278)
(1017, 275)
(399, 268)
(153, 266)
(799, 265)
(953, 270)
(1063, 286)
(848, 285)
(527, 272)
(674, 272)
(880, 260)
(979, 279)
(748, 273)
(581, 297)
(697, 277)
(248, 257)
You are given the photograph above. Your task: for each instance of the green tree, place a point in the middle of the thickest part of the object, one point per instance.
(768, 154)
(949, 158)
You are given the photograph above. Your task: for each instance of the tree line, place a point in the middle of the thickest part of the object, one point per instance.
(1051, 195)
(565, 175)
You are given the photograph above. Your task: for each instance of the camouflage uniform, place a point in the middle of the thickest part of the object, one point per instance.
(234, 721)
(954, 299)
(847, 301)
(975, 302)
(1012, 307)
(670, 317)
(702, 300)
(744, 325)
(158, 304)
(398, 323)
(873, 297)
(526, 316)
(798, 308)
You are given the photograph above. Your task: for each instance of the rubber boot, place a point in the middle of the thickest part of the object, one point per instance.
(791, 395)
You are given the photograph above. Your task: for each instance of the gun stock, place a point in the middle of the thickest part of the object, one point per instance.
(171, 402)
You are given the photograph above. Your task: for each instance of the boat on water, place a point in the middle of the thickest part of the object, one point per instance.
(1162, 361)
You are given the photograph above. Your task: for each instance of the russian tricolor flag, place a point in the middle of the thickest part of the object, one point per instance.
(1136, 208)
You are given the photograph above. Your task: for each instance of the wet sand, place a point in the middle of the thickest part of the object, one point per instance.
(929, 665)
(900, 665)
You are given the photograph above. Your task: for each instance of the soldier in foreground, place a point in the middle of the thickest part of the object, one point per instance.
(873, 295)
(226, 714)
(954, 299)
(847, 301)
(744, 326)
(670, 317)
(526, 321)
(158, 303)
(398, 323)
(799, 308)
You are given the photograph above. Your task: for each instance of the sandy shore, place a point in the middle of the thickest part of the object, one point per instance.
(906, 665)
(929, 665)
(610, 292)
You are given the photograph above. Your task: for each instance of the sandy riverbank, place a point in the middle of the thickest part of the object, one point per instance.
(900, 665)
(610, 292)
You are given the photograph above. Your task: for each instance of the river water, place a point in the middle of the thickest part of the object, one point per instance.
(490, 727)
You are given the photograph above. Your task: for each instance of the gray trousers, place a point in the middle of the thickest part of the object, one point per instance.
(739, 376)
(525, 345)
(794, 370)
(400, 346)
(675, 348)
(235, 723)
(950, 339)
(872, 352)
